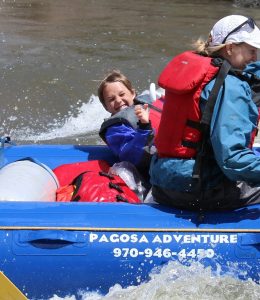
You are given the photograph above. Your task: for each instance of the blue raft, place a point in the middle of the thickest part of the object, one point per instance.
(52, 248)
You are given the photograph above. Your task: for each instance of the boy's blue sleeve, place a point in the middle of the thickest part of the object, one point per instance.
(128, 143)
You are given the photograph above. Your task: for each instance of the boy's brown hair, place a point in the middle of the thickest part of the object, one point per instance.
(114, 76)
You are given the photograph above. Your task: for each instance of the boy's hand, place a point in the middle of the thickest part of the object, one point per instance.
(142, 113)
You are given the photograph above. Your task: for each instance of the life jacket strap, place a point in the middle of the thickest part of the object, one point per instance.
(190, 144)
(115, 186)
(149, 105)
(222, 74)
(206, 119)
(120, 198)
(102, 173)
(194, 124)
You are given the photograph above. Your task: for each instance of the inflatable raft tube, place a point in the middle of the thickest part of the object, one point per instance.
(60, 248)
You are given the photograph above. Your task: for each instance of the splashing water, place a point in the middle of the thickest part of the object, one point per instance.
(84, 122)
(87, 120)
(177, 282)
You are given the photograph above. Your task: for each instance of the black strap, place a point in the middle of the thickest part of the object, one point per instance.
(206, 118)
(154, 107)
(102, 173)
(120, 198)
(115, 186)
(149, 105)
(77, 183)
(190, 144)
(222, 74)
(194, 124)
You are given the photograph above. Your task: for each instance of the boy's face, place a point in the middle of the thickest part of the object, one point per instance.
(117, 97)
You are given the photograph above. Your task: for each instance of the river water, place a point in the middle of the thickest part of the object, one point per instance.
(53, 53)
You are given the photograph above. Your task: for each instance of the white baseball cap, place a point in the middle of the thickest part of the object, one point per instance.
(236, 29)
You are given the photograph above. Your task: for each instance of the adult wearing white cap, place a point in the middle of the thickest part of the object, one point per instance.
(235, 34)
(205, 159)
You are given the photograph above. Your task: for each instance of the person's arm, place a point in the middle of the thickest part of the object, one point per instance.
(127, 143)
(234, 118)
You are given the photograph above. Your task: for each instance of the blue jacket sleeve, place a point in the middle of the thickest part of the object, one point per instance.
(234, 118)
(128, 143)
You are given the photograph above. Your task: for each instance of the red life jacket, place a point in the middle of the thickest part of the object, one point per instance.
(90, 182)
(155, 113)
(183, 80)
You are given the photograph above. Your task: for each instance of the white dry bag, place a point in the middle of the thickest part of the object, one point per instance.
(27, 180)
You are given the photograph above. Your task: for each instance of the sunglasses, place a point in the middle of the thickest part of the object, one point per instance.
(249, 21)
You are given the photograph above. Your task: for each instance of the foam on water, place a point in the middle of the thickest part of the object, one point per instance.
(178, 282)
(87, 120)
(84, 121)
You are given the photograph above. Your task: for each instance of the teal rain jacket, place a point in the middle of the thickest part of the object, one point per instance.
(234, 118)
